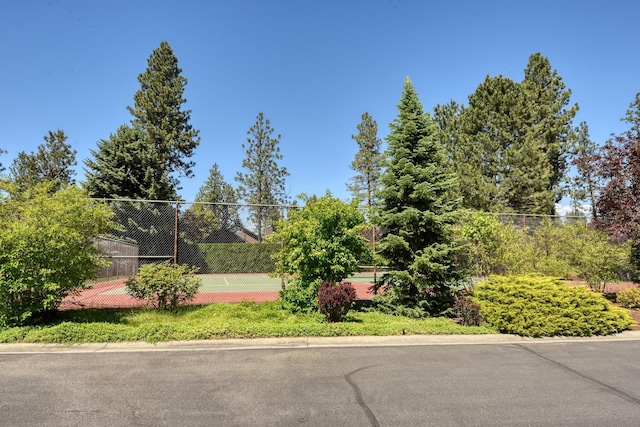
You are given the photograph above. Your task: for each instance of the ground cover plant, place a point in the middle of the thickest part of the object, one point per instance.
(219, 321)
(543, 306)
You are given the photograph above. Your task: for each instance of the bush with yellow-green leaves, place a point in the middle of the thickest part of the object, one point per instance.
(538, 306)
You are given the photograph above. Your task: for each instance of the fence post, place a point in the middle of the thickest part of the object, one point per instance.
(175, 236)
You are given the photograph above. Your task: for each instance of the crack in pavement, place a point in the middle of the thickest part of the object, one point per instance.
(372, 418)
(622, 394)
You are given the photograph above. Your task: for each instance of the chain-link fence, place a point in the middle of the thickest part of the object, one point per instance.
(214, 237)
(227, 243)
(531, 221)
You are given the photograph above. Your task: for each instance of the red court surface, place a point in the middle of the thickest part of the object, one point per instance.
(95, 297)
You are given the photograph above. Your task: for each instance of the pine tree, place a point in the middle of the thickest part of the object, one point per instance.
(52, 162)
(157, 110)
(548, 117)
(215, 208)
(418, 207)
(264, 181)
(126, 166)
(2, 167)
(510, 145)
(367, 162)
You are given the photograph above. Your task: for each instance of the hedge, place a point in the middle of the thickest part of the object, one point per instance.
(237, 257)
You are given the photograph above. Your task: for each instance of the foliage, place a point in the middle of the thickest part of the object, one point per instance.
(618, 165)
(164, 285)
(150, 225)
(586, 182)
(367, 162)
(551, 248)
(322, 240)
(335, 300)
(46, 249)
(418, 207)
(300, 297)
(127, 166)
(467, 310)
(214, 209)
(238, 257)
(157, 110)
(222, 320)
(2, 151)
(52, 162)
(594, 257)
(488, 245)
(629, 298)
(264, 181)
(509, 146)
(543, 306)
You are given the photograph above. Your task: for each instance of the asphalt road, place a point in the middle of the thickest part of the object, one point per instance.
(502, 383)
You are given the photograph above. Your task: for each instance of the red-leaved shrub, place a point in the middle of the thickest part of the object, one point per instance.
(335, 301)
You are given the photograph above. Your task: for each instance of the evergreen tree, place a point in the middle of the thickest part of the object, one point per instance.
(2, 167)
(367, 162)
(264, 181)
(510, 145)
(52, 162)
(548, 117)
(157, 110)
(126, 166)
(215, 208)
(418, 207)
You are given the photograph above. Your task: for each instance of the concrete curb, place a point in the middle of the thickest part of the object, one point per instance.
(304, 343)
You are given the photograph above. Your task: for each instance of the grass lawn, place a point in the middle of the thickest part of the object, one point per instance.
(219, 321)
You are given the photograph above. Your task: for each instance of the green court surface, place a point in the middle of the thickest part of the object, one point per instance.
(246, 283)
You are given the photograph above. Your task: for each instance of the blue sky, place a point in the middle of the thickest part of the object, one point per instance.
(313, 68)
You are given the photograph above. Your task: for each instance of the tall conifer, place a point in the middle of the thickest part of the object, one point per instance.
(417, 207)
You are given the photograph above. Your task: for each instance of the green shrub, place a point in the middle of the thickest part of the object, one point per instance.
(320, 242)
(543, 306)
(629, 298)
(47, 249)
(298, 297)
(488, 245)
(594, 257)
(164, 285)
(335, 300)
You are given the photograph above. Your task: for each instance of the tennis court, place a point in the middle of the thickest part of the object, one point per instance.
(216, 283)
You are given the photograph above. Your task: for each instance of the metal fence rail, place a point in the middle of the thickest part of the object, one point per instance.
(227, 243)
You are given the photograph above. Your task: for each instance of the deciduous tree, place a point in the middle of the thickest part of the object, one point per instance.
(619, 167)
